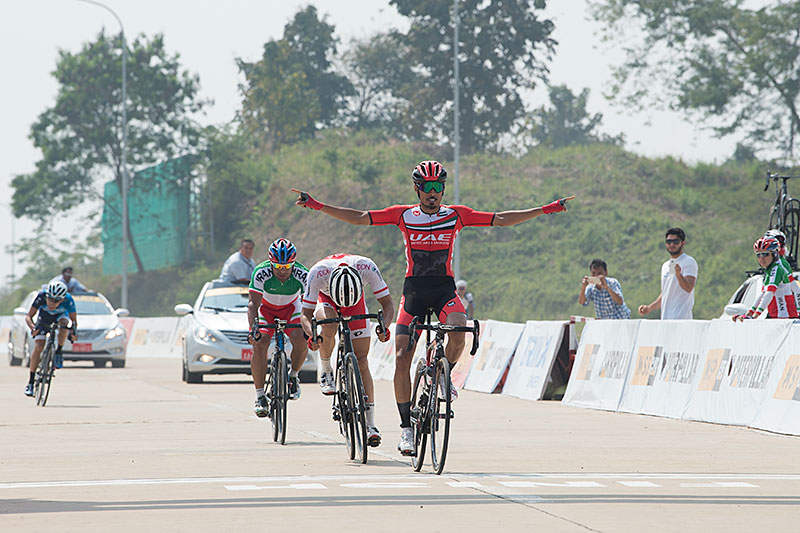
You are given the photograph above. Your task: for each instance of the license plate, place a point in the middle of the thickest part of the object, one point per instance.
(247, 354)
(82, 347)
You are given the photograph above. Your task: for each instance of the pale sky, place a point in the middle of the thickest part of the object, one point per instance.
(210, 35)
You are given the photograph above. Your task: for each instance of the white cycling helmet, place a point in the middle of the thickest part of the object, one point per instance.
(56, 290)
(345, 286)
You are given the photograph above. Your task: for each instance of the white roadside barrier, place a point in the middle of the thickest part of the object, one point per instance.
(533, 359)
(497, 347)
(715, 371)
(154, 337)
(5, 330)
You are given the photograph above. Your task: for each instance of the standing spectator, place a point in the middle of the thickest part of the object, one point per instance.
(72, 283)
(678, 278)
(240, 265)
(604, 292)
(466, 298)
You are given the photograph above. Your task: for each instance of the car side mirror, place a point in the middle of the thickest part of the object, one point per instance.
(121, 312)
(20, 311)
(183, 309)
(735, 309)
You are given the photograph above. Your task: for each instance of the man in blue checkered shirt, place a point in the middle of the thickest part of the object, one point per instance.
(604, 292)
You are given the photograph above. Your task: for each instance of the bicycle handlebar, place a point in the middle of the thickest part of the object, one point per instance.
(254, 331)
(339, 319)
(776, 177)
(445, 328)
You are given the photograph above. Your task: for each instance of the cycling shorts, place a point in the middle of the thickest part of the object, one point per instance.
(268, 313)
(359, 329)
(420, 293)
(45, 320)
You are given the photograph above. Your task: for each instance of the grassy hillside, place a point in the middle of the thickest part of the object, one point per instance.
(530, 271)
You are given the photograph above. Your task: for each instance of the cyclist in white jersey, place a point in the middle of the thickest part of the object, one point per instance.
(320, 301)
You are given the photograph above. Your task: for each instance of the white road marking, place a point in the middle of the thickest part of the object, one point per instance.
(520, 484)
(638, 484)
(466, 484)
(511, 480)
(408, 485)
(298, 486)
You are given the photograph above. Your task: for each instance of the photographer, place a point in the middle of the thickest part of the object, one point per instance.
(604, 292)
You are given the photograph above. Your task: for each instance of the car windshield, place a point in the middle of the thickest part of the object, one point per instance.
(226, 299)
(91, 305)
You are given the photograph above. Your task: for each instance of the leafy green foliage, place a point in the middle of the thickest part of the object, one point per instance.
(567, 122)
(734, 69)
(503, 49)
(293, 89)
(80, 137)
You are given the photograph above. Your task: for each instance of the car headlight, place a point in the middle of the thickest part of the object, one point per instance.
(114, 333)
(204, 334)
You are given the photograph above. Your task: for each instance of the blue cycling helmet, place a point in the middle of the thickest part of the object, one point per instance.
(282, 251)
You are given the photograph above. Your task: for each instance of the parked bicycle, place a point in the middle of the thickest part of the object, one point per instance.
(46, 369)
(277, 387)
(350, 401)
(785, 214)
(431, 399)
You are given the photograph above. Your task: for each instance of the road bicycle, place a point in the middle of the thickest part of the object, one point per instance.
(277, 387)
(431, 399)
(785, 214)
(349, 407)
(46, 369)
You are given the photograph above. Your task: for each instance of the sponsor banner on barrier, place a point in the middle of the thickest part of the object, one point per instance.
(5, 331)
(601, 364)
(533, 359)
(739, 359)
(665, 367)
(153, 337)
(460, 371)
(780, 411)
(498, 343)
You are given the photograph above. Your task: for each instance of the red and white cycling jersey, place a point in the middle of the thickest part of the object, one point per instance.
(429, 239)
(320, 274)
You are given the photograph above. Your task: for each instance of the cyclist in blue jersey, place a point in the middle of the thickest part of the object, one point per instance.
(53, 304)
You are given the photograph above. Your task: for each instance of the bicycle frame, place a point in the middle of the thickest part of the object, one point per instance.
(44, 372)
(785, 214)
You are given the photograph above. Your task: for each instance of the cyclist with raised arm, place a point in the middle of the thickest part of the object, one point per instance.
(54, 304)
(777, 297)
(336, 286)
(276, 288)
(429, 230)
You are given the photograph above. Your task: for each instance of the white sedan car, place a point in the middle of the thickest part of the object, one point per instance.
(215, 334)
(101, 337)
(745, 296)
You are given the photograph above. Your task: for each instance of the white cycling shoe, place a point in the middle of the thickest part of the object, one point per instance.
(373, 436)
(326, 384)
(406, 444)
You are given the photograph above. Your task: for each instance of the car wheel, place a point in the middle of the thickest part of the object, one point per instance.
(117, 363)
(307, 376)
(13, 361)
(194, 377)
(99, 363)
(26, 352)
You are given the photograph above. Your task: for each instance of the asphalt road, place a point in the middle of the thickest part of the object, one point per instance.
(135, 449)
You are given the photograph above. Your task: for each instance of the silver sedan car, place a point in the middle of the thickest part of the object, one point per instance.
(215, 332)
(101, 337)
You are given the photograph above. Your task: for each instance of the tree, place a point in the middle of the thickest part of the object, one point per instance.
(736, 70)
(379, 72)
(504, 46)
(80, 137)
(293, 90)
(567, 122)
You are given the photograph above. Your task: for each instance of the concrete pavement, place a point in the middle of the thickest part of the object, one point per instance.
(135, 449)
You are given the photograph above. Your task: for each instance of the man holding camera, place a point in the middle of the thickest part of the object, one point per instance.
(604, 292)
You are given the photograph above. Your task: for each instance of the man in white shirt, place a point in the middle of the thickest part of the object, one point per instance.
(240, 265)
(73, 285)
(678, 278)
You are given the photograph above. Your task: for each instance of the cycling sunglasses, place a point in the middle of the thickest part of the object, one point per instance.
(763, 254)
(56, 300)
(428, 186)
(286, 266)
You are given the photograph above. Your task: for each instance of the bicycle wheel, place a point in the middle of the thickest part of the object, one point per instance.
(280, 397)
(44, 376)
(419, 414)
(791, 228)
(343, 406)
(440, 414)
(358, 407)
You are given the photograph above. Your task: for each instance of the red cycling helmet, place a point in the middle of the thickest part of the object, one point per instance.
(429, 171)
(767, 244)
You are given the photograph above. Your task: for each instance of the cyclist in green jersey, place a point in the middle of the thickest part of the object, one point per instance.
(276, 289)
